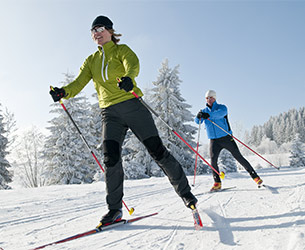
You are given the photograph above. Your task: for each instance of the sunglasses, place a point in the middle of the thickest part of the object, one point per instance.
(98, 29)
(209, 97)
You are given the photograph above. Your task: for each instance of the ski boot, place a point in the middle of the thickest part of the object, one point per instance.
(258, 181)
(216, 187)
(189, 200)
(112, 216)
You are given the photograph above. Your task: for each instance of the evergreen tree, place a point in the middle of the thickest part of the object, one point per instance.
(297, 153)
(256, 134)
(281, 129)
(137, 162)
(96, 117)
(69, 161)
(96, 121)
(5, 175)
(300, 128)
(28, 158)
(165, 98)
(227, 161)
(267, 146)
(10, 128)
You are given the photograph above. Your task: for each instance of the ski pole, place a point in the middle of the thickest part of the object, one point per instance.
(243, 144)
(130, 211)
(196, 154)
(221, 175)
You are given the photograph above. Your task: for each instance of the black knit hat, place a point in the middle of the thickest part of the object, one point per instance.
(102, 21)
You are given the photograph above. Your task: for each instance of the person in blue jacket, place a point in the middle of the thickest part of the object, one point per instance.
(219, 139)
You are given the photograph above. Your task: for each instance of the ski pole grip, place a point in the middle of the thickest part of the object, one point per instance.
(131, 91)
(60, 101)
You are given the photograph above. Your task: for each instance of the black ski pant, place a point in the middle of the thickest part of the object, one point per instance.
(228, 143)
(134, 115)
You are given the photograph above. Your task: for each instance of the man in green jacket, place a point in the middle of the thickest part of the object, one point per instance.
(121, 111)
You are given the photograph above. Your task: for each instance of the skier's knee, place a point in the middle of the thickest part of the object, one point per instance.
(111, 153)
(155, 147)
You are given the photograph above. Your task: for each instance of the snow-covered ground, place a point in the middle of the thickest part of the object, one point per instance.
(242, 218)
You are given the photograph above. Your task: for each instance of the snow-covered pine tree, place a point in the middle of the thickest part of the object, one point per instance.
(281, 128)
(137, 162)
(68, 159)
(301, 124)
(256, 135)
(5, 175)
(267, 146)
(227, 161)
(96, 114)
(297, 153)
(165, 98)
(27, 157)
(96, 119)
(10, 128)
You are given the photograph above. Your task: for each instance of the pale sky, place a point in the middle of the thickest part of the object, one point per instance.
(250, 52)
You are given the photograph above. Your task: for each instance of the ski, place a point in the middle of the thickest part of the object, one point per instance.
(215, 191)
(221, 190)
(96, 230)
(271, 189)
(197, 220)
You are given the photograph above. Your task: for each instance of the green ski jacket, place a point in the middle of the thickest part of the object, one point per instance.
(104, 67)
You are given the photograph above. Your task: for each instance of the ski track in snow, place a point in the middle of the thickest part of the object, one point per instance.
(82, 208)
(221, 223)
(269, 218)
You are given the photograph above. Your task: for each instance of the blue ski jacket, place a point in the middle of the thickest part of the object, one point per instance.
(218, 114)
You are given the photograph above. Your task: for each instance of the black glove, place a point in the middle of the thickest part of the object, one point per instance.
(57, 94)
(203, 115)
(199, 115)
(126, 84)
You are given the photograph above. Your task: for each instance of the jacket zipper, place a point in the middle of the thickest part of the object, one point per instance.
(106, 68)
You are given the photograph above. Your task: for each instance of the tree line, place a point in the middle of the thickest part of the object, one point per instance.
(61, 157)
(280, 129)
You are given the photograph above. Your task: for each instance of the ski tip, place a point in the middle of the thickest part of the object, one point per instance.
(197, 220)
(198, 227)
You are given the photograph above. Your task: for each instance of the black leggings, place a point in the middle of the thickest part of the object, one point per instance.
(228, 143)
(134, 115)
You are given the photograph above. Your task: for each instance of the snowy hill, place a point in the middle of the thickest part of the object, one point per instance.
(241, 218)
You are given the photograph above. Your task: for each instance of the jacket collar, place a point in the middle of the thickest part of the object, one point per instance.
(106, 46)
(215, 104)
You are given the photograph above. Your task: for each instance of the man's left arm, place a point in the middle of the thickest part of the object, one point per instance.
(220, 112)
